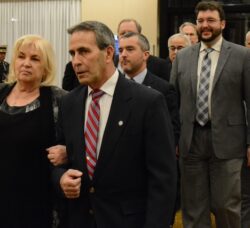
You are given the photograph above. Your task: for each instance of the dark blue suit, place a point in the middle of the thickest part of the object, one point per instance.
(170, 94)
(134, 183)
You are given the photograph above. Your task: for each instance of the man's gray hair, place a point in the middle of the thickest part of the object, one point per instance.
(143, 41)
(137, 25)
(104, 35)
(187, 24)
(182, 36)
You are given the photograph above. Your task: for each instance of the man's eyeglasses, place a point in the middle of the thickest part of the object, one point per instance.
(209, 21)
(173, 48)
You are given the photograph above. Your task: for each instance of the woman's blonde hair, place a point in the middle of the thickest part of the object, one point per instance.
(47, 57)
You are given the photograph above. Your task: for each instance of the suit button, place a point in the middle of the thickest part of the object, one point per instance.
(92, 190)
(91, 212)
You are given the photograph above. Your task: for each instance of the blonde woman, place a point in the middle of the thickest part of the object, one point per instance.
(28, 111)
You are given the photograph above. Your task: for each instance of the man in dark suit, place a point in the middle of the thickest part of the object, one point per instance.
(121, 170)
(133, 53)
(212, 80)
(155, 65)
(4, 66)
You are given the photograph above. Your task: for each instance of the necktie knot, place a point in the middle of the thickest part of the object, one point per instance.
(208, 50)
(96, 94)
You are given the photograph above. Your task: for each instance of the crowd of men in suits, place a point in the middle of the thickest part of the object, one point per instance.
(208, 105)
(145, 135)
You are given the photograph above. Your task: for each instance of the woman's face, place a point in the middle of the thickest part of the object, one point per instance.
(29, 67)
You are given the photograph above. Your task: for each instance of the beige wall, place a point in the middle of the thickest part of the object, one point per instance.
(111, 12)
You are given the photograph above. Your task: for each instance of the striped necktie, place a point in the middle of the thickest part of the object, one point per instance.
(91, 131)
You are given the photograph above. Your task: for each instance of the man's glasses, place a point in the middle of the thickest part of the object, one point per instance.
(173, 48)
(209, 21)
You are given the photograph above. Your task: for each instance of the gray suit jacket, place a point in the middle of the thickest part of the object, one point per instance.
(230, 96)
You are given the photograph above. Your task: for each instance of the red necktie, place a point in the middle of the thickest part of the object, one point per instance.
(91, 131)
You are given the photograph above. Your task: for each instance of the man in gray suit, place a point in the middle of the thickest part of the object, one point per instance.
(212, 80)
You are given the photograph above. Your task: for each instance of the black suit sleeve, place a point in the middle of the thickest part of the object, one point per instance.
(172, 102)
(161, 165)
(159, 67)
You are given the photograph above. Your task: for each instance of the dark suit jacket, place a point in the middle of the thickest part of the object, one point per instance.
(169, 63)
(170, 94)
(230, 96)
(159, 67)
(135, 175)
(70, 80)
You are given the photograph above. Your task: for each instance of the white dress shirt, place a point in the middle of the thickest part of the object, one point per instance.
(105, 104)
(139, 78)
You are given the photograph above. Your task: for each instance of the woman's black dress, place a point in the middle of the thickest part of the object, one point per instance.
(25, 187)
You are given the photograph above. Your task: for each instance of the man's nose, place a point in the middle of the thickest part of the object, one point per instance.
(76, 60)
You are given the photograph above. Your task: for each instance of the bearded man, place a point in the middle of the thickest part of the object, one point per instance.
(211, 79)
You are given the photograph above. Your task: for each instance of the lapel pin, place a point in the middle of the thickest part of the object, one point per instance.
(120, 123)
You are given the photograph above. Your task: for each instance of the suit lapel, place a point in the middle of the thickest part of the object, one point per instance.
(78, 108)
(117, 120)
(148, 80)
(224, 54)
(194, 67)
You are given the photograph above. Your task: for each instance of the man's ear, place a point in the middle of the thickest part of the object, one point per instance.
(146, 55)
(223, 24)
(110, 51)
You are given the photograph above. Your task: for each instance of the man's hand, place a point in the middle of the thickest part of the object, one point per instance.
(70, 183)
(57, 154)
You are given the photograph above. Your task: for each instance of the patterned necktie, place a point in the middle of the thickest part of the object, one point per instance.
(91, 131)
(203, 91)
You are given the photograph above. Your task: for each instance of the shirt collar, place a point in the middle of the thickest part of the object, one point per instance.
(216, 46)
(139, 78)
(109, 86)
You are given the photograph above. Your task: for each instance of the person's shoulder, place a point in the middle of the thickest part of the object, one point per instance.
(158, 80)
(75, 93)
(146, 92)
(57, 91)
(160, 84)
(4, 86)
(238, 47)
(6, 63)
(155, 59)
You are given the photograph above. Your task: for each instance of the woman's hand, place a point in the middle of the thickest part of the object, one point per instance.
(57, 155)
